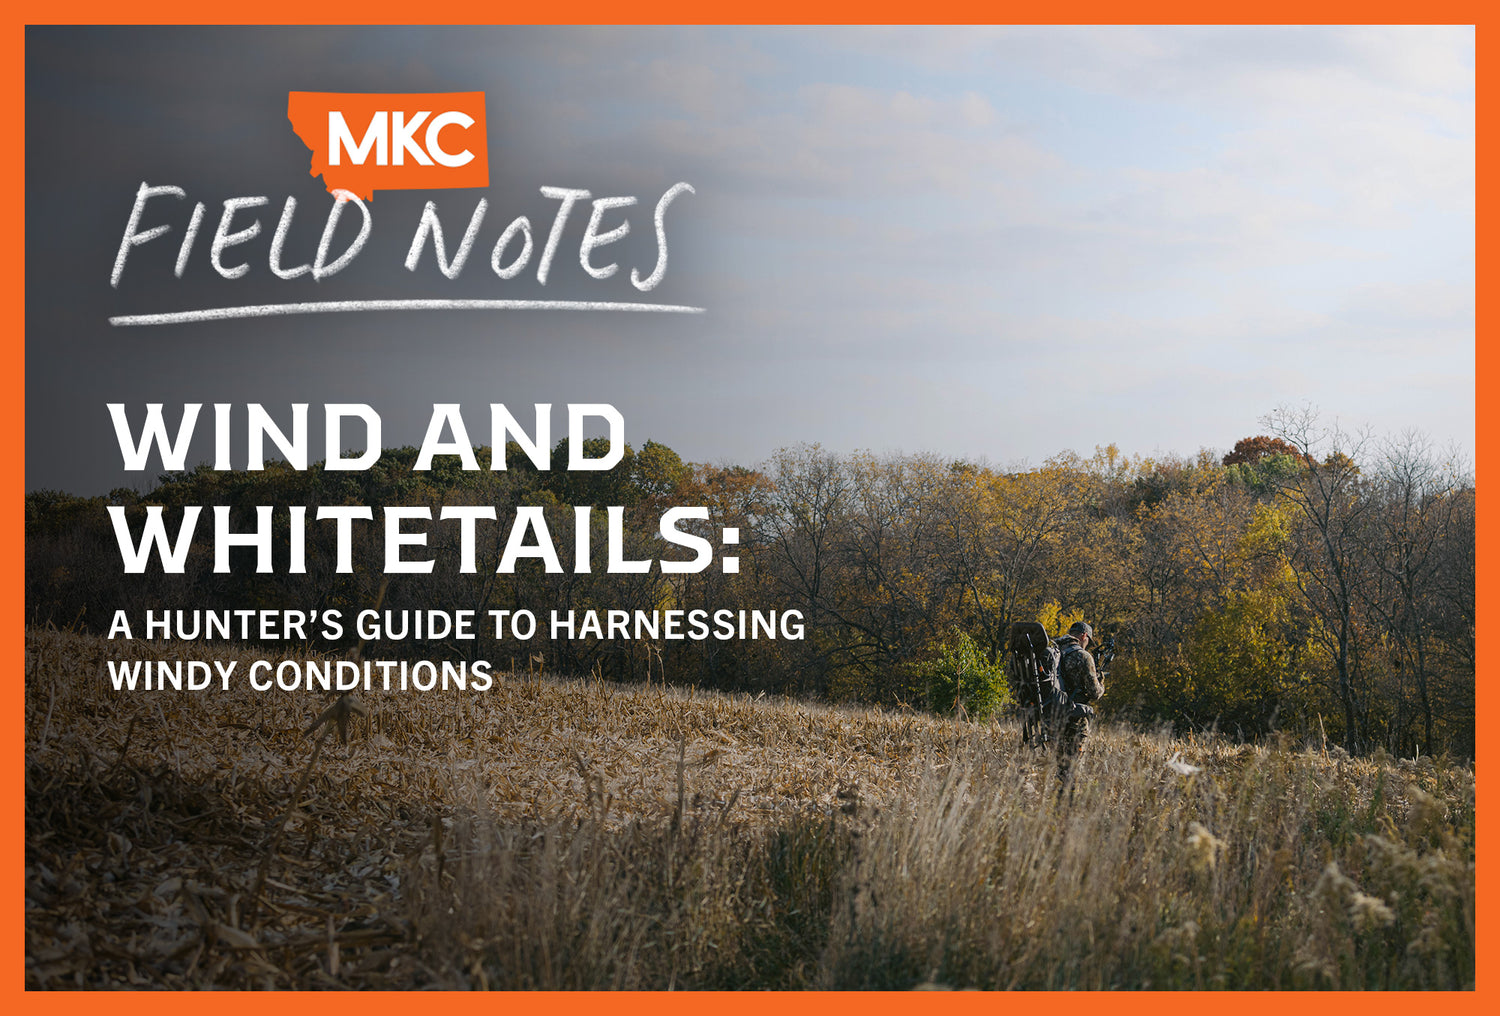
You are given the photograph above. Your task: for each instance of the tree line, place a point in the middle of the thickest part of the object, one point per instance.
(1310, 581)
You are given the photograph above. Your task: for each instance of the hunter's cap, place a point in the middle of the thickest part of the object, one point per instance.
(1081, 628)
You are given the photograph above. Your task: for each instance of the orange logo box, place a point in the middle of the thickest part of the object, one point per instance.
(366, 141)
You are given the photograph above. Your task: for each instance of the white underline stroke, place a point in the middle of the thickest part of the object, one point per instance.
(355, 306)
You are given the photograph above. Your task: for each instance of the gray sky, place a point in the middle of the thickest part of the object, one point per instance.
(986, 243)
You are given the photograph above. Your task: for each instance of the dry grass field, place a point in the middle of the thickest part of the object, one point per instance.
(557, 833)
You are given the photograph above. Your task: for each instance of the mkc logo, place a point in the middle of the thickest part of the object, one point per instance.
(364, 142)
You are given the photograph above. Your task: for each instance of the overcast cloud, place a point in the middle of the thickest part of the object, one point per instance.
(993, 243)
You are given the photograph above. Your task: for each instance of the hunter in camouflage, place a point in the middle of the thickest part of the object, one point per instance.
(1080, 680)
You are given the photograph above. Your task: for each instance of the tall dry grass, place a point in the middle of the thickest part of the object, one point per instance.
(578, 834)
(1272, 870)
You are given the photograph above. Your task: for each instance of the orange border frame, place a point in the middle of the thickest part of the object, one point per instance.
(12, 413)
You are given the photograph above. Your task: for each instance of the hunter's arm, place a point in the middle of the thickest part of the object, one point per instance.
(1094, 685)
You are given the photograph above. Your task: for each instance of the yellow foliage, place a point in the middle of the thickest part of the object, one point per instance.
(1052, 617)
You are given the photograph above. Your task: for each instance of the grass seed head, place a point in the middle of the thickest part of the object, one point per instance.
(1367, 912)
(1204, 847)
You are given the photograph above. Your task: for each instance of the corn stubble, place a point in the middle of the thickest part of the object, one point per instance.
(579, 834)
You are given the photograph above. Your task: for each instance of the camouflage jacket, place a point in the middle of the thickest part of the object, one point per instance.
(1080, 679)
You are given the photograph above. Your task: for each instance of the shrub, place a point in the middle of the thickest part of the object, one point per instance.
(962, 674)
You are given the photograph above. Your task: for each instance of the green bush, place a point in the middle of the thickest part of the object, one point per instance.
(961, 673)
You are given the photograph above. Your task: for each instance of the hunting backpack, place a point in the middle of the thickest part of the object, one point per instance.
(1033, 671)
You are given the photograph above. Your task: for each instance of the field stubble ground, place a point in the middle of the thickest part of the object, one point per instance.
(558, 833)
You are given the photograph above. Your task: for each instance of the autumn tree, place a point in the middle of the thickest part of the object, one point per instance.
(1329, 553)
(1421, 515)
(1250, 450)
